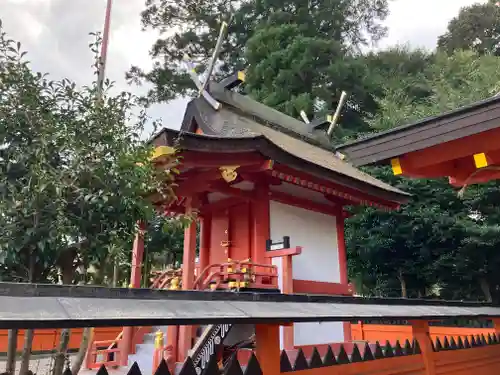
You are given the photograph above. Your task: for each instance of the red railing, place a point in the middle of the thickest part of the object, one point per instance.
(236, 275)
(230, 275)
(106, 352)
(163, 279)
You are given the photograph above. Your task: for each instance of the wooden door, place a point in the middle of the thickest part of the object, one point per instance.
(219, 237)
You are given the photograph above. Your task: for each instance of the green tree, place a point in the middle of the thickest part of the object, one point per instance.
(477, 28)
(74, 167)
(192, 27)
(400, 248)
(449, 82)
(438, 243)
(295, 65)
(74, 175)
(400, 68)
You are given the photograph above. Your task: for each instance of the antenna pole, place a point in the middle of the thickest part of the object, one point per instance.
(335, 118)
(104, 49)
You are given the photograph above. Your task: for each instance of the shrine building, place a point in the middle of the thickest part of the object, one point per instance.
(270, 194)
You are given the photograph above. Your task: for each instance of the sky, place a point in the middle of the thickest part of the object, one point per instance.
(56, 35)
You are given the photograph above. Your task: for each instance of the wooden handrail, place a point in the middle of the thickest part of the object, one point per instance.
(201, 281)
(116, 340)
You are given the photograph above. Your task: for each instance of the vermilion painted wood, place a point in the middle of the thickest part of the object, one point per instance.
(392, 333)
(357, 196)
(355, 359)
(47, 339)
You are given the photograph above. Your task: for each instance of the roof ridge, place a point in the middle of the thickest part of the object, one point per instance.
(282, 122)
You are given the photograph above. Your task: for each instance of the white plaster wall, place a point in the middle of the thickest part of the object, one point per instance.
(319, 261)
(279, 264)
(316, 333)
(316, 233)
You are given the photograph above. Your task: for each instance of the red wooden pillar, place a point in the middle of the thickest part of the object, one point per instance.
(135, 282)
(206, 229)
(172, 344)
(420, 332)
(267, 348)
(287, 287)
(261, 223)
(288, 331)
(188, 266)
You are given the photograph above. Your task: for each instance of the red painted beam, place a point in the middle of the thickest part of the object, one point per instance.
(221, 204)
(464, 147)
(197, 183)
(341, 191)
(266, 165)
(259, 178)
(297, 250)
(337, 201)
(194, 181)
(232, 192)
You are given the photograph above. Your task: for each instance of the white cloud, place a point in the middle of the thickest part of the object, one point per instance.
(420, 22)
(55, 32)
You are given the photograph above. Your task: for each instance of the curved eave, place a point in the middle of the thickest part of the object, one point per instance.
(390, 197)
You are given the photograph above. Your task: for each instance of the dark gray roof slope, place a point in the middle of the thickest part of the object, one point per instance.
(462, 122)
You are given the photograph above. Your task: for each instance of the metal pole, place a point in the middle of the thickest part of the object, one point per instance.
(104, 48)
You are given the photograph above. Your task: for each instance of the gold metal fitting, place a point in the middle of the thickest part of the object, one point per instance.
(228, 172)
(158, 339)
(174, 284)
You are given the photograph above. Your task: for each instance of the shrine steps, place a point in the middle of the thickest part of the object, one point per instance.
(144, 352)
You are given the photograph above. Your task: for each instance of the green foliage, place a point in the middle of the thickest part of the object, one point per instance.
(390, 249)
(74, 171)
(437, 244)
(446, 83)
(307, 48)
(165, 241)
(399, 68)
(292, 68)
(477, 28)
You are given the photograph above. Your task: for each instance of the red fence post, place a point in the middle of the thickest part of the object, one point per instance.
(267, 338)
(496, 325)
(420, 331)
(362, 330)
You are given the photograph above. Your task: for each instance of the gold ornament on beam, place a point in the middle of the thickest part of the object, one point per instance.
(228, 172)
